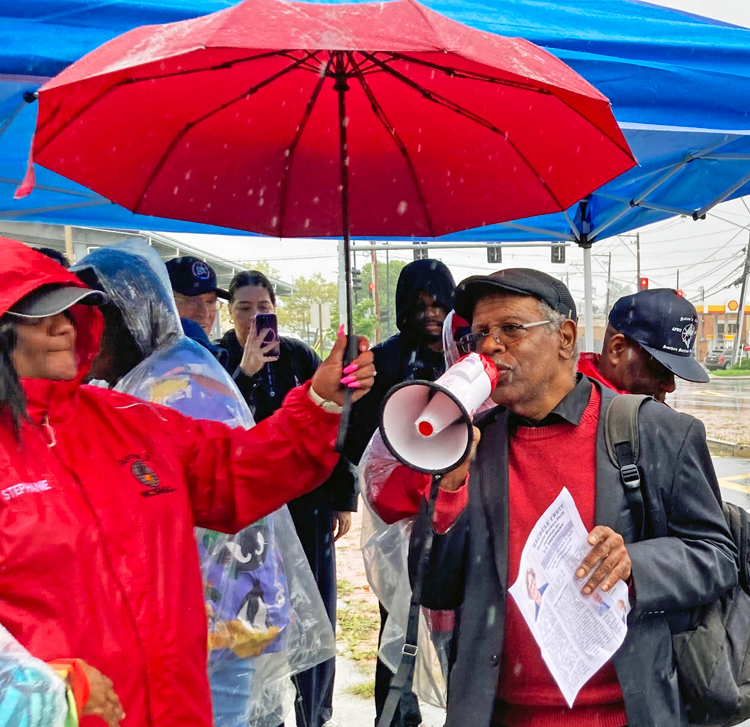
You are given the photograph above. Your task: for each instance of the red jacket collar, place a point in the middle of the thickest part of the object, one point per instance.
(588, 365)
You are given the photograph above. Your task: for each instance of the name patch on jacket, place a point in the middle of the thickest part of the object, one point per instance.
(24, 488)
(146, 476)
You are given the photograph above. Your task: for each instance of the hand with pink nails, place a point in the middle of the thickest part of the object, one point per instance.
(332, 378)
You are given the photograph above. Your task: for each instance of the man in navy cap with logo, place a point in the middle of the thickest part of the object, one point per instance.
(649, 341)
(197, 294)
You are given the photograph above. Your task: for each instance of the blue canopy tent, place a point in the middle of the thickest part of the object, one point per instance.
(678, 84)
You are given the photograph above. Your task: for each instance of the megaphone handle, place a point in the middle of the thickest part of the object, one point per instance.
(352, 351)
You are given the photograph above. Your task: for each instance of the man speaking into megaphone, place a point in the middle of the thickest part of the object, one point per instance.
(545, 434)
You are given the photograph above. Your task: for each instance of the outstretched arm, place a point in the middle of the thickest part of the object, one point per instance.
(236, 476)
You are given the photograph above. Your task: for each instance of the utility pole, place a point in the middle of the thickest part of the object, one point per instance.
(638, 254)
(678, 280)
(69, 249)
(374, 263)
(741, 310)
(609, 285)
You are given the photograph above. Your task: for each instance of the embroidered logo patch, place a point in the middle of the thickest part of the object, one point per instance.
(146, 476)
(201, 270)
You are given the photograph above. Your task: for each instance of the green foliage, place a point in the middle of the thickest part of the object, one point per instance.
(365, 690)
(740, 369)
(360, 622)
(263, 266)
(294, 311)
(387, 279)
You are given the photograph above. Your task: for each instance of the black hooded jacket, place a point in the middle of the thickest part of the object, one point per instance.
(403, 356)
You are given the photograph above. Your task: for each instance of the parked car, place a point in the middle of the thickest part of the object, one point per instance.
(718, 359)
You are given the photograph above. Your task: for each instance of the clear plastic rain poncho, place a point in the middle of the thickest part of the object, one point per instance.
(31, 694)
(386, 549)
(266, 618)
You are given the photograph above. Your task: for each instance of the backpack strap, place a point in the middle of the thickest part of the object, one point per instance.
(621, 438)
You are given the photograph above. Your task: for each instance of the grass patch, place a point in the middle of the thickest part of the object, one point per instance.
(360, 623)
(344, 588)
(731, 372)
(365, 690)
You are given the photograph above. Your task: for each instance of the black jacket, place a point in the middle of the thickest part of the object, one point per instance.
(265, 392)
(402, 357)
(688, 561)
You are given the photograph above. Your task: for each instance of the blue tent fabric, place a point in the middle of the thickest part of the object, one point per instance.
(679, 87)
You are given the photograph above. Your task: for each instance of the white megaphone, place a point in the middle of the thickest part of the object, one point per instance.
(427, 425)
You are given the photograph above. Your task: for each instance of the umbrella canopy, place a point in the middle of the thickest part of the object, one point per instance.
(238, 119)
(678, 85)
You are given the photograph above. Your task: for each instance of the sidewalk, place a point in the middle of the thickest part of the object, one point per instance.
(352, 711)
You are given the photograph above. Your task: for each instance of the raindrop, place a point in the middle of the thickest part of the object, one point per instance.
(316, 200)
(176, 190)
(402, 207)
(187, 174)
(260, 202)
(274, 220)
(419, 148)
(307, 223)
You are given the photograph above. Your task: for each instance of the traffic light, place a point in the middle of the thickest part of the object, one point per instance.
(680, 293)
(356, 280)
(371, 287)
(558, 253)
(643, 284)
(494, 254)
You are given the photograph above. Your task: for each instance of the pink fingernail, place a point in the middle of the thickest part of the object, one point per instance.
(354, 385)
(350, 369)
(348, 380)
(341, 331)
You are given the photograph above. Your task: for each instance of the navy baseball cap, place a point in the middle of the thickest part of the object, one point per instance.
(520, 281)
(192, 276)
(665, 325)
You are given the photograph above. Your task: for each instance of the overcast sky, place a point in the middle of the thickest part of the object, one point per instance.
(707, 253)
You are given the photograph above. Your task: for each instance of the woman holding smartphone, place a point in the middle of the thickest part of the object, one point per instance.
(266, 367)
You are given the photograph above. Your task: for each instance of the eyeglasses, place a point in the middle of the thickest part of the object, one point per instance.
(195, 302)
(506, 334)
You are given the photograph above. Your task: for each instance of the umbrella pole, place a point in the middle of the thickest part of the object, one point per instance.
(352, 342)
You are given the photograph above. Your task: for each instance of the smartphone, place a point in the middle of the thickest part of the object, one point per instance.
(268, 322)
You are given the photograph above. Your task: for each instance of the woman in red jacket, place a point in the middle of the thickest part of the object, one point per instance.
(99, 493)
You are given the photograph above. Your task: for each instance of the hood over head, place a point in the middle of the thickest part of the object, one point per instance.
(431, 276)
(23, 270)
(135, 279)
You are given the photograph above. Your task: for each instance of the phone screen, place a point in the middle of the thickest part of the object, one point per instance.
(268, 322)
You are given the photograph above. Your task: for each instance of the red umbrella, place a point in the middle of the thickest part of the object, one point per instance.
(300, 119)
(233, 119)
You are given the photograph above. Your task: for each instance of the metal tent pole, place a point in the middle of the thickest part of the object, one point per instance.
(588, 292)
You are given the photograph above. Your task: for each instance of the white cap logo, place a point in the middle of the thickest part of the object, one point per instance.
(688, 334)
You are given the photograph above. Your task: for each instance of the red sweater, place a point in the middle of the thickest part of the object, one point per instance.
(541, 457)
(539, 464)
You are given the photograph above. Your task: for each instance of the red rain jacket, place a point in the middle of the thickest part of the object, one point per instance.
(97, 506)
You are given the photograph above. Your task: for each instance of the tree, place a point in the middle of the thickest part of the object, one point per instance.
(387, 279)
(294, 311)
(263, 266)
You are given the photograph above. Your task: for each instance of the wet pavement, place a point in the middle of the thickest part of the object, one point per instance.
(734, 479)
(722, 394)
